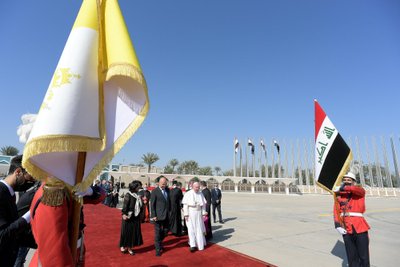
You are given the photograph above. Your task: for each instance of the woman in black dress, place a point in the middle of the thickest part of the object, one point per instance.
(131, 233)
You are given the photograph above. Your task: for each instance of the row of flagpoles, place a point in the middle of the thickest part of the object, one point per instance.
(378, 156)
(250, 150)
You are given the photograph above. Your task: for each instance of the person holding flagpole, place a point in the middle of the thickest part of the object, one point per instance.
(95, 102)
(350, 222)
(50, 219)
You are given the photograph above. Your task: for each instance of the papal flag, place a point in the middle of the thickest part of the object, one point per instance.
(95, 102)
(332, 154)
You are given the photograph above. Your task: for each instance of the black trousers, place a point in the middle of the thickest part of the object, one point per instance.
(218, 207)
(357, 249)
(161, 230)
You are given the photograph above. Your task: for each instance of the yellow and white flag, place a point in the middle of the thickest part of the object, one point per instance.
(95, 102)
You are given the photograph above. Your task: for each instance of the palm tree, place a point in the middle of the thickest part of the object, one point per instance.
(217, 170)
(188, 167)
(9, 151)
(168, 169)
(205, 171)
(149, 159)
(173, 163)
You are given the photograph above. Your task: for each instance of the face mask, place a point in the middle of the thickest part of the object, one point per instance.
(23, 186)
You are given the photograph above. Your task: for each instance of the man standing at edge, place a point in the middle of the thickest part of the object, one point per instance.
(349, 220)
(159, 209)
(216, 196)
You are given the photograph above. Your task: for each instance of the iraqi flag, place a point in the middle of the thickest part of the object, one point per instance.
(236, 145)
(250, 143)
(332, 154)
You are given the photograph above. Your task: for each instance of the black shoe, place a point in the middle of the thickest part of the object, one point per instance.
(221, 221)
(192, 249)
(158, 253)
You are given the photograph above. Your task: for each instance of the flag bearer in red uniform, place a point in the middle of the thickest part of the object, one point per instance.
(51, 222)
(350, 222)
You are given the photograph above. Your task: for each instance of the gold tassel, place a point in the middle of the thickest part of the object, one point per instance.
(54, 195)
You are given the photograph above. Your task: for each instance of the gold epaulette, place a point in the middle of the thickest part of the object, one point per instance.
(53, 195)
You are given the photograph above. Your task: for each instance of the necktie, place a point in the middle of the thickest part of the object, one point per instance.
(165, 194)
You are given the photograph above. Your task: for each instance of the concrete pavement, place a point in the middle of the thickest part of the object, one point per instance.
(298, 230)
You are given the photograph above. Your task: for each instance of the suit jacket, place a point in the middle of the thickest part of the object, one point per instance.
(159, 206)
(11, 227)
(207, 195)
(216, 195)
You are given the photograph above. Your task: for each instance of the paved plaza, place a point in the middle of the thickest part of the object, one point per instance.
(298, 230)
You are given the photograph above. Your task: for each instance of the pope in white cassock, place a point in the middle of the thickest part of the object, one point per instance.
(194, 208)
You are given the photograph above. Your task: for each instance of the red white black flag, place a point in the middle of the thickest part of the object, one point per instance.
(250, 143)
(332, 154)
(236, 145)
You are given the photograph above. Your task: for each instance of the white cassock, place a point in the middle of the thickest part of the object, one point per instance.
(194, 206)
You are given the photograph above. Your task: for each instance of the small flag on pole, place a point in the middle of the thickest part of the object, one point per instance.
(236, 146)
(332, 154)
(277, 146)
(250, 143)
(262, 144)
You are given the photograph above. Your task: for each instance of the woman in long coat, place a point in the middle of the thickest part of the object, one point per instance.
(131, 233)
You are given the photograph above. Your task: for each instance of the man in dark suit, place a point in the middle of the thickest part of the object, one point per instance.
(216, 196)
(12, 227)
(175, 215)
(207, 195)
(159, 209)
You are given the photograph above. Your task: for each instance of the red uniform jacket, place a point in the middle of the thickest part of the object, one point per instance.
(352, 199)
(50, 229)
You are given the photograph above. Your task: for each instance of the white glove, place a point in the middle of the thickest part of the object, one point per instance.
(88, 192)
(27, 216)
(341, 230)
(336, 189)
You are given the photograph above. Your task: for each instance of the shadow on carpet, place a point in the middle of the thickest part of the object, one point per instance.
(102, 232)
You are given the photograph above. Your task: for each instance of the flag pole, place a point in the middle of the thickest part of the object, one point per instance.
(247, 160)
(76, 207)
(234, 157)
(360, 162)
(240, 160)
(253, 154)
(259, 162)
(396, 166)
(389, 182)
(273, 160)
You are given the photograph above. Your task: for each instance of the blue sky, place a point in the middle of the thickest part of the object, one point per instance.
(220, 69)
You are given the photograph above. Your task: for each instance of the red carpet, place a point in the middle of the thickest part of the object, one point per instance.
(103, 225)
